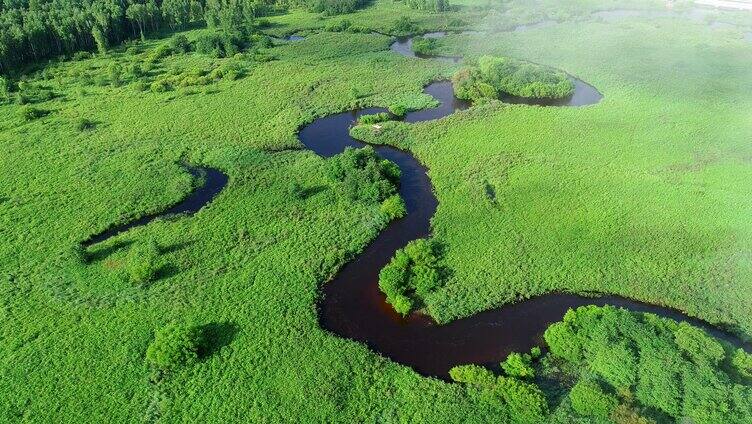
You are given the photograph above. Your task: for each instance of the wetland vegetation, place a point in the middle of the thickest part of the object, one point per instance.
(123, 301)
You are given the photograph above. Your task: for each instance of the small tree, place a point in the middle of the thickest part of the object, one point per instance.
(174, 346)
(473, 374)
(141, 264)
(99, 39)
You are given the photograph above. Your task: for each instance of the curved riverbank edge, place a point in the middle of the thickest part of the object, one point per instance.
(212, 182)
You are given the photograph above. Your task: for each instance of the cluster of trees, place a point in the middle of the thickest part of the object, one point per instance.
(361, 175)
(495, 76)
(630, 361)
(429, 5)
(521, 399)
(411, 275)
(335, 7)
(31, 30)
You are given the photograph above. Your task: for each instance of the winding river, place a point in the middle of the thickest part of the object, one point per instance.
(352, 305)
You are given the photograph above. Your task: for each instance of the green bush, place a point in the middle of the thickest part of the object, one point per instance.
(393, 207)
(162, 51)
(174, 346)
(424, 46)
(429, 5)
(115, 73)
(374, 118)
(179, 44)
(398, 109)
(82, 55)
(413, 272)
(30, 113)
(338, 26)
(84, 124)
(336, 7)
(518, 365)
(403, 26)
(742, 361)
(473, 374)
(588, 399)
(360, 175)
(220, 43)
(160, 86)
(141, 265)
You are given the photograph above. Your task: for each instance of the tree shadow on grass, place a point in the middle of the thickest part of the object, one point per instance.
(216, 335)
(104, 252)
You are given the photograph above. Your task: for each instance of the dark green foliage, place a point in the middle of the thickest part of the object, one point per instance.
(174, 346)
(115, 73)
(403, 26)
(362, 176)
(518, 365)
(336, 7)
(374, 118)
(674, 368)
(142, 263)
(31, 113)
(429, 5)
(412, 274)
(179, 44)
(495, 76)
(220, 43)
(398, 109)
(338, 26)
(84, 124)
(424, 46)
(588, 399)
(296, 190)
(742, 361)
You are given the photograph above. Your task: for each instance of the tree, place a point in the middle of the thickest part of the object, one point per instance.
(139, 14)
(473, 374)
(177, 13)
(100, 40)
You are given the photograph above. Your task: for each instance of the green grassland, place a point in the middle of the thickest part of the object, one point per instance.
(641, 195)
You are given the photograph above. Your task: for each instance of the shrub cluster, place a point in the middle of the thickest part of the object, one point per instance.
(404, 25)
(423, 45)
(524, 402)
(494, 76)
(411, 275)
(673, 368)
(361, 175)
(336, 7)
(374, 118)
(429, 5)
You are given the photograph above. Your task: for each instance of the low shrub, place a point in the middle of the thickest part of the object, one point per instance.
(84, 124)
(160, 86)
(424, 46)
(393, 207)
(179, 44)
(336, 7)
(338, 26)
(220, 44)
(398, 109)
(374, 118)
(518, 365)
(82, 55)
(473, 374)
(141, 264)
(403, 26)
(30, 113)
(174, 346)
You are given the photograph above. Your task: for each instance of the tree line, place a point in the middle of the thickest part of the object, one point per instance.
(34, 30)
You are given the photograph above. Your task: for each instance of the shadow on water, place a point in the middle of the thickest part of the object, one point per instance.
(353, 307)
(211, 182)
